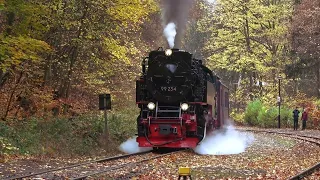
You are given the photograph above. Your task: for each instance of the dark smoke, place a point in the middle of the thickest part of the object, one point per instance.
(176, 11)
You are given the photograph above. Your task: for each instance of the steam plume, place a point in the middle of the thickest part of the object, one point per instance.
(131, 146)
(225, 141)
(176, 12)
(170, 33)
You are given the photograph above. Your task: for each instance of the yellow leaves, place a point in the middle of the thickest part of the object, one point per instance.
(14, 50)
(6, 148)
(249, 36)
(117, 51)
(130, 11)
(1, 4)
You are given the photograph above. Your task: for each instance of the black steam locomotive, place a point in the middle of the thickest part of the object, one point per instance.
(180, 100)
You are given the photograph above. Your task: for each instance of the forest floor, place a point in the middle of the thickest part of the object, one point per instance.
(267, 157)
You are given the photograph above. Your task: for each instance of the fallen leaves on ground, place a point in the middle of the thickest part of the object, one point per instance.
(269, 157)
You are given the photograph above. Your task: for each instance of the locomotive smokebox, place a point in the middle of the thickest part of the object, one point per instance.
(170, 78)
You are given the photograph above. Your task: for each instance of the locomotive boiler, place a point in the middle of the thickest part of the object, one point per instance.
(180, 100)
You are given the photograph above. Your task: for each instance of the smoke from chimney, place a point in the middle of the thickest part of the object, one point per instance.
(174, 16)
(170, 33)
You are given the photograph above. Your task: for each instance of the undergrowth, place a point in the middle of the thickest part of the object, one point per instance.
(83, 135)
(263, 115)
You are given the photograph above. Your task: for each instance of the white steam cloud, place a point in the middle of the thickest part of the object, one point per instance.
(170, 33)
(212, 1)
(131, 146)
(225, 141)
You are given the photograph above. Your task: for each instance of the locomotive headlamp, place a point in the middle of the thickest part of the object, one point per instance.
(151, 106)
(184, 106)
(168, 52)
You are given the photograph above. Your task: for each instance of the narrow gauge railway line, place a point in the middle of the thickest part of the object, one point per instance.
(102, 160)
(101, 172)
(311, 139)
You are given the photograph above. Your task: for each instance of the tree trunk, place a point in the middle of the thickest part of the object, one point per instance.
(3, 78)
(295, 86)
(318, 79)
(251, 86)
(238, 87)
(11, 96)
(48, 72)
(66, 84)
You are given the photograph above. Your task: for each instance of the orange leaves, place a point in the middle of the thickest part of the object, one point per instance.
(173, 158)
(310, 104)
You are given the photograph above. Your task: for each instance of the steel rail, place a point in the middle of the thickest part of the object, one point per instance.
(76, 165)
(306, 172)
(297, 136)
(124, 165)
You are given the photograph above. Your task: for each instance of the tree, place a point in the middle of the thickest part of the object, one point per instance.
(19, 37)
(77, 48)
(249, 42)
(305, 44)
(91, 36)
(196, 37)
(20, 47)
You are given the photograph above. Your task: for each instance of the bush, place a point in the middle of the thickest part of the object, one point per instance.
(252, 112)
(286, 117)
(81, 135)
(238, 118)
(267, 117)
(123, 124)
(6, 148)
(259, 114)
(60, 136)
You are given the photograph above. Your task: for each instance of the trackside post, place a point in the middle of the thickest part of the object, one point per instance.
(105, 104)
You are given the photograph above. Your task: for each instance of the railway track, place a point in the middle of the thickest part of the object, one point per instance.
(311, 139)
(102, 160)
(81, 170)
(123, 165)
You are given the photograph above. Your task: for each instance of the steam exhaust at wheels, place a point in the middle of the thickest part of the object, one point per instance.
(225, 141)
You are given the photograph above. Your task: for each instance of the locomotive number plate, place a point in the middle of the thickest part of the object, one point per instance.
(168, 88)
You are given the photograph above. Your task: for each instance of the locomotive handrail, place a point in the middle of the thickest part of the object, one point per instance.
(204, 133)
(157, 109)
(167, 109)
(144, 65)
(171, 121)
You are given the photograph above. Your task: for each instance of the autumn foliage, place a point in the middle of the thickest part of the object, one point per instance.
(312, 106)
(56, 57)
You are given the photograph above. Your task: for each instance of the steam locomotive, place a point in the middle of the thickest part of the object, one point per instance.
(180, 100)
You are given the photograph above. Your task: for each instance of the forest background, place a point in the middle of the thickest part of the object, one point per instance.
(57, 56)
